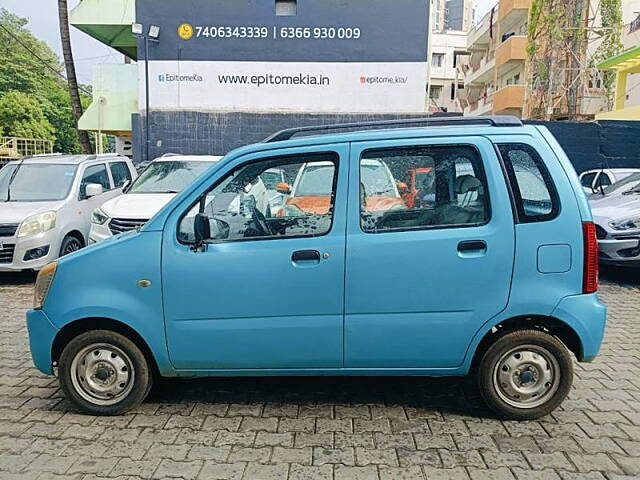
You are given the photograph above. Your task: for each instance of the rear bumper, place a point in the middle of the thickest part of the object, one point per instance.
(587, 316)
(41, 336)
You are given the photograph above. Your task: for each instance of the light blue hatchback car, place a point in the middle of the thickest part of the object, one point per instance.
(486, 265)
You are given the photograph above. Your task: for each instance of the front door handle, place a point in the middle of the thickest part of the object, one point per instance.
(307, 256)
(472, 246)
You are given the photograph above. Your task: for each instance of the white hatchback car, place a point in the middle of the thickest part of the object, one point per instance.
(157, 184)
(594, 180)
(46, 203)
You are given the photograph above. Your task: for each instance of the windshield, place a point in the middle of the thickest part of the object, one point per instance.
(316, 181)
(629, 181)
(377, 180)
(168, 177)
(35, 182)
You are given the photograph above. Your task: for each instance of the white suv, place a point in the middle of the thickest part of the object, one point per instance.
(162, 180)
(46, 203)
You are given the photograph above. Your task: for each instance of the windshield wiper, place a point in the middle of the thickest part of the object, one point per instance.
(13, 175)
(631, 192)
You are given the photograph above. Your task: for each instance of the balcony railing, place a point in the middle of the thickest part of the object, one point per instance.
(508, 98)
(16, 147)
(512, 49)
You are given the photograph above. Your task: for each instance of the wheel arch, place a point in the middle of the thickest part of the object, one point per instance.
(77, 327)
(77, 234)
(554, 326)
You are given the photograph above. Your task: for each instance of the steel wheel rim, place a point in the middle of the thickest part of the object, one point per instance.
(71, 246)
(526, 376)
(102, 374)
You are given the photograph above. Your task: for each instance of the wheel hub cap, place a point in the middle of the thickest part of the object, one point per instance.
(102, 374)
(526, 376)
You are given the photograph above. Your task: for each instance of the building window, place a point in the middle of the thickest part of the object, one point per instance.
(437, 59)
(286, 8)
(435, 92)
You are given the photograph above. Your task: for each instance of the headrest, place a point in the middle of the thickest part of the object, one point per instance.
(467, 183)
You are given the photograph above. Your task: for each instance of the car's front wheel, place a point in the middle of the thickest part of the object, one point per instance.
(525, 374)
(104, 373)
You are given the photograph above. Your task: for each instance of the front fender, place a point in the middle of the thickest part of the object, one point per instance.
(102, 282)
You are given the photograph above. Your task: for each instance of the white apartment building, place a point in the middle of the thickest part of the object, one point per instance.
(447, 50)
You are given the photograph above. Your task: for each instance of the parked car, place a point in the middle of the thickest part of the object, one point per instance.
(618, 187)
(46, 203)
(617, 219)
(157, 184)
(594, 180)
(311, 193)
(497, 278)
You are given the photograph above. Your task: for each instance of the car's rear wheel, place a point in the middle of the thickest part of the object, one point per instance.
(104, 373)
(525, 374)
(69, 245)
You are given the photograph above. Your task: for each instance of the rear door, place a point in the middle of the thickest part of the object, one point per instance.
(421, 281)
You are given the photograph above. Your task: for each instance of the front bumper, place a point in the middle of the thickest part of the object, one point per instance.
(99, 233)
(624, 250)
(42, 333)
(13, 262)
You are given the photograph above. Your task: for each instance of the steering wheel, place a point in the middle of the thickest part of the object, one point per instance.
(259, 219)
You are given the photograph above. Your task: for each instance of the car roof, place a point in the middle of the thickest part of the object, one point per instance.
(187, 158)
(70, 159)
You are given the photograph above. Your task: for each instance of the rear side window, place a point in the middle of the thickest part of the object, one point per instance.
(535, 196)
(120, 173)
(422, 187)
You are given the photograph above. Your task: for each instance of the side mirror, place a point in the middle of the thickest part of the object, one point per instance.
(201, 228)
(92, 190)
(283, 187)
(402, 187)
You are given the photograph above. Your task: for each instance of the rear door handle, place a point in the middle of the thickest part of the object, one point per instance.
(306, 256)
(472, 246)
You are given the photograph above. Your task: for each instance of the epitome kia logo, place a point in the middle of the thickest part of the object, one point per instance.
(170, 77)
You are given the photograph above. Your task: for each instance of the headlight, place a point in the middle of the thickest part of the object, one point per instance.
(36, 224)
(99, 217)
(43, 282)
(632, 223)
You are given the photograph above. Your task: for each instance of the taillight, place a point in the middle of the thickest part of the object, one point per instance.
(590, 272)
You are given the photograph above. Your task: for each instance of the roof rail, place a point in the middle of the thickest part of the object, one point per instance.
(494, 121)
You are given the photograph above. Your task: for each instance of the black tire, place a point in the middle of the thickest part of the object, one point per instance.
(70, 244)
(140, 374)
(541, 344)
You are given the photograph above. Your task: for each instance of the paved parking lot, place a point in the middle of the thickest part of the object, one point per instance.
(324, 428)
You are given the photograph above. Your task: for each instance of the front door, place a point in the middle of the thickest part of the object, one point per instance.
(267, 290)
(423, 275)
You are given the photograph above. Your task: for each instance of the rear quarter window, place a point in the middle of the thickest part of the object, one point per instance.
(534, 193)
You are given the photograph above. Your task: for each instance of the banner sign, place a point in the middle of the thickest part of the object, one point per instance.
(353, 56)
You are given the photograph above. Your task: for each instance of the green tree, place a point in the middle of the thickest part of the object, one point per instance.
(29, 66)
(21, 115)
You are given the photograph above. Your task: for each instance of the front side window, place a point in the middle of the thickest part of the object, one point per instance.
(243, 206)
(170, 176)
(95, 174)
(531, 183)
(120, 173)
(422, 187)
(20, 182)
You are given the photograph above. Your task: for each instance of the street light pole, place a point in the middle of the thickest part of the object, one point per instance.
(153, 34)
(146, 93)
